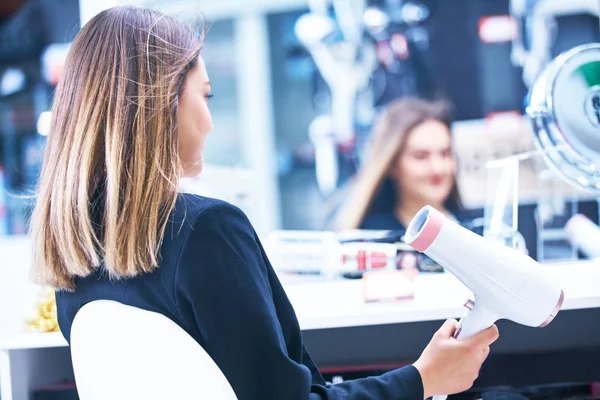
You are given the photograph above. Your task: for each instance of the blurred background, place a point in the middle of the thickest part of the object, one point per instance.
(283, 136)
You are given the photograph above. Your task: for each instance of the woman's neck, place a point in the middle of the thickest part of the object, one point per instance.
(406, 209)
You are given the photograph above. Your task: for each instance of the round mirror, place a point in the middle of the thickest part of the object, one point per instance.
(564, 108)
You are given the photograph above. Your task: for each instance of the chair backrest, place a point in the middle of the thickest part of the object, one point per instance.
(124, 352)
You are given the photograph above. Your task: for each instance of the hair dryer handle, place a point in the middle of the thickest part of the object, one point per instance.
(477, 319)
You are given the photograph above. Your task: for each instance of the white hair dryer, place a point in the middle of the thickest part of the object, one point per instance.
(507, 283)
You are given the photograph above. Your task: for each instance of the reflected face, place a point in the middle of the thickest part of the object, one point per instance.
(193, 119)
(425, 169)
(409, 261)
(409, 265)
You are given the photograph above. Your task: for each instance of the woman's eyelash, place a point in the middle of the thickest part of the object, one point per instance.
(210, 96)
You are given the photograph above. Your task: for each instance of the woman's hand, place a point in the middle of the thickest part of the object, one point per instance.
(448, 365)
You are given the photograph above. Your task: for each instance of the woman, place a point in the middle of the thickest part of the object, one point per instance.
(129, 119)
(409, 164)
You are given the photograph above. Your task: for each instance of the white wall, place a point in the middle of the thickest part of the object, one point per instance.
(256, 116)
(17, 294)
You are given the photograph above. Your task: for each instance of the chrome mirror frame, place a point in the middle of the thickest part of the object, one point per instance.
(564, 109)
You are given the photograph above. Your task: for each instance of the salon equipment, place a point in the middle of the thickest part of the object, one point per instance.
(537, 31)
(346, 63)
(401, 41)
(507, 284)
(584, 235)
(362, 257)
(327, 255)
(564, 108)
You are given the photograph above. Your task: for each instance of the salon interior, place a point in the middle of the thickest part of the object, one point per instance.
(341, 128)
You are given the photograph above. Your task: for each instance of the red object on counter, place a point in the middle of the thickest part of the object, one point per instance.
(368, 260)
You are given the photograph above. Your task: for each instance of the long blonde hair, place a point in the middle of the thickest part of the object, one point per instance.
(111, 167)
(387, 140)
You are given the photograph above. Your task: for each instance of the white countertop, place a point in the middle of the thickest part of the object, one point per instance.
(323, 305)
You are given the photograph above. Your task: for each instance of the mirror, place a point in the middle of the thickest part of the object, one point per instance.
(564, 108)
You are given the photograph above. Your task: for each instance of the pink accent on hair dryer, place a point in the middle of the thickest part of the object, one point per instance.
(507, 283)
(584, 234)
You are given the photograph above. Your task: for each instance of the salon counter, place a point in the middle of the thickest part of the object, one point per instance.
(344, 334)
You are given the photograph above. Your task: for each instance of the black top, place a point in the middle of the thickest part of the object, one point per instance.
(388, 221)
(216, 283)
(381, 216)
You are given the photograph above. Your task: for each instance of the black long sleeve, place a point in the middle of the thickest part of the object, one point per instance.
(216, 283)
(247, 324)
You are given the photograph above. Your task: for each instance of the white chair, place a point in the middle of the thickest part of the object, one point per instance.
(124, 352)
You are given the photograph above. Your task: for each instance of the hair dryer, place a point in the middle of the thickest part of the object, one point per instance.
(507, 283)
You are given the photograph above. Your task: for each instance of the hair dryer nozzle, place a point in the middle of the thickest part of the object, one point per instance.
(424, 228)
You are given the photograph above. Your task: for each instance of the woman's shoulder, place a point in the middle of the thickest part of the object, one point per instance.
(199, 212)
(203, 222)
(193, 206)
(216, 233)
